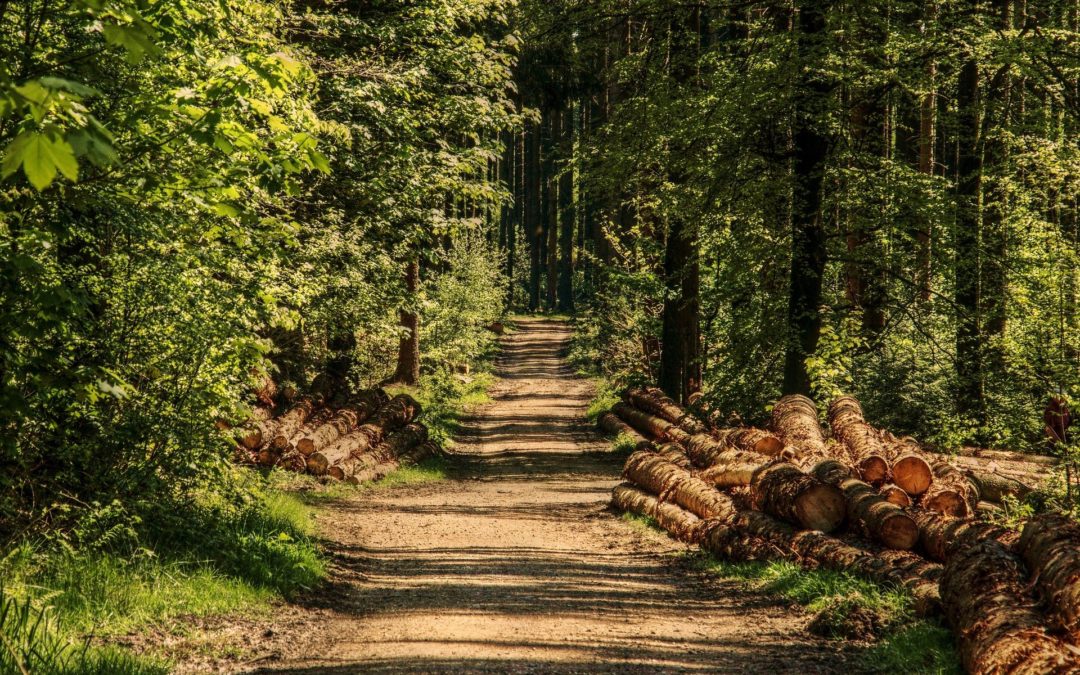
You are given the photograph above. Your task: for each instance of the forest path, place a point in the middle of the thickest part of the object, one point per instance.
(515, 564)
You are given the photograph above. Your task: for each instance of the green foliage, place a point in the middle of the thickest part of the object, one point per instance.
(853, 608)
(33, 643)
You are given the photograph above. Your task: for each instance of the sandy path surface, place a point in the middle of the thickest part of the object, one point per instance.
(516, 565)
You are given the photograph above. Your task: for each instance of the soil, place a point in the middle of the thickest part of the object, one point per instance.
(516, 564)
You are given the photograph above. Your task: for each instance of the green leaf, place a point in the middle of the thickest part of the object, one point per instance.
(41, 158)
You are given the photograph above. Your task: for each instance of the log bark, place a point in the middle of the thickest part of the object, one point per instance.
(674, 453)
(780, 489)
(868, 452)
(1050, 545)
(1008, 456)
(252, 431)
(656, 402)
(347, 419)
(999, 628)
(651, 426)
(611, 423)
(994, 487)
(290, 422)
(390, 451)
(795, 422)
(749, 535)
(401, 410)
(678, 522)
(879, 518)
(669, 481)
(941, 536)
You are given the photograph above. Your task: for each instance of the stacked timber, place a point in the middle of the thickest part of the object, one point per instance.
(907, 517)
(358, 438)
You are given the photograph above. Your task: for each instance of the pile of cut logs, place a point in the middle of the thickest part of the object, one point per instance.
(858, 499)
(355, 438)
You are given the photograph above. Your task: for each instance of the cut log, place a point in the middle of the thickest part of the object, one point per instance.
(951, 493)
(785, 491)
(750, 535)
(347, 419)
(999, 628)
(995, 487)
(612, 424)
(674, 453)
(896, 495)
(780, 489)
(678, 522)
(391, 450)
(942, 536)
(868, 452)
(879, 518)
(651, 426)
(1050, 544)
(656, 402)
(911, 470)
(401, 410)
(290, 422)
(669, 481)
(251, 435)
(755, 440)
(795, 422)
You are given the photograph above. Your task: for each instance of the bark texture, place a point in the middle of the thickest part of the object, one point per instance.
(795, 421)
(867, 450)
(1050, 545)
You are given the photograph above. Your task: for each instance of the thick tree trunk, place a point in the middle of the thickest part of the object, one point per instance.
(999, 627)
(795, 422)
(680, 353)
(1050, 544)
(809, 252)
(654, 401)
(867, 450)
(408, 361)
(653, 427)
(924, 236)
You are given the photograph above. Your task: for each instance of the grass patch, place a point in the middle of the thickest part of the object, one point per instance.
(606, 396)
(430, 470)
(640, 522)
(849, 607)
(116, 573)
(446, 397)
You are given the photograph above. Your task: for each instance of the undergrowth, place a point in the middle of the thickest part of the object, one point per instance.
(115, 572)
(849, 607)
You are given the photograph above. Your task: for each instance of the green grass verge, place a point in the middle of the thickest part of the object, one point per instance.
(202, 558)
(849, 607)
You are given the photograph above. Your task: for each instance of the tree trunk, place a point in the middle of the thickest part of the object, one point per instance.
(408, 361)
(999, 627)
(567, 214)
(809, 253)
(924, 236)
(549, 208)
(795, 421)
(969, 343)
(1050, 544)
(534, 226)
(867, 450)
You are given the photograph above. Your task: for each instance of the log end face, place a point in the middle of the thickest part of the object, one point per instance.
(771, 446)
(948, 502)
(305, 446)
(899, 532)
(874, 470)
(912, 474)
(821, 507)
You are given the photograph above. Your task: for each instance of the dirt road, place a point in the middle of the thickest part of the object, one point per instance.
(516, 565)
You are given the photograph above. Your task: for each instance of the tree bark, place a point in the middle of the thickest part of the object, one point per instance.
(567, 214)
(795, 421)
(408, 360)
(809, 253)
(1050, 544)
(534, 226)
(867, 450)
(999, 627)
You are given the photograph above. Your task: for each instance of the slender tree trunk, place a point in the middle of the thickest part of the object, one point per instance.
(567, 215)
(969, 347)
(408, 362)
(534, 227)
(516, 216)
(549, 209)
(924, 236)
(809, 254)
